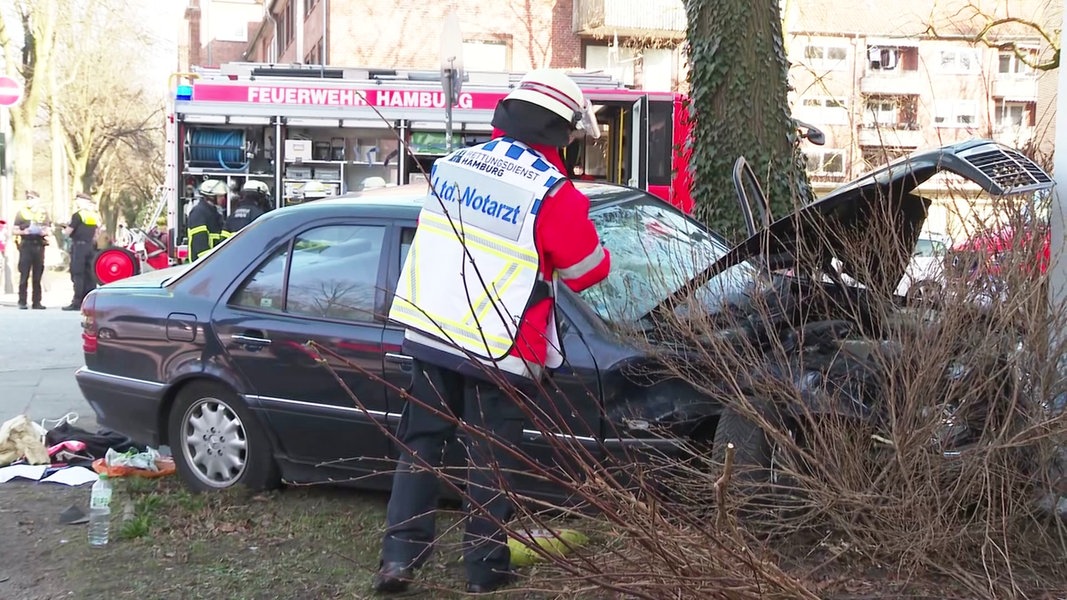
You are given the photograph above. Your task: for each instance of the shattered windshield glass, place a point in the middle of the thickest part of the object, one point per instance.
(655, 250)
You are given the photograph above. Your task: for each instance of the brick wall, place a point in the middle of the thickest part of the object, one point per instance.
(407, 35)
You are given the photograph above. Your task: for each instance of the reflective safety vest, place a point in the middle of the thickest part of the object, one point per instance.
(89, 218)
(473, 269)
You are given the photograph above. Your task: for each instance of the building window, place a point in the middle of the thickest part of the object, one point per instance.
(823, 110)
(955, 113)
(309, 5)
(1014, 115)
(825, 56)
(892, 59)
(880, 111)
(825, 162)
(959, 61)
(487, 55)
(314, 56)
(651, 69)
(1009, 63)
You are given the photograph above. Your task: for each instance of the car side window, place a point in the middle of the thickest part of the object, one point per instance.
(264, 289)
(333, 272)
(407, 236)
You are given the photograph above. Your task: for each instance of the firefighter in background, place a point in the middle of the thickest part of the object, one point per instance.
(82, 233)
(535, 231)
(205, 221)
(249, 207)
(32, 228)
(311, 190)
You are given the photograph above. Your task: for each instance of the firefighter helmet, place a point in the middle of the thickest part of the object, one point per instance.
(213, 187)
(555, 91)
(255, 185)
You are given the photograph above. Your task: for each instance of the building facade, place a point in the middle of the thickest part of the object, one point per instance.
(618, 36)
(883, 84)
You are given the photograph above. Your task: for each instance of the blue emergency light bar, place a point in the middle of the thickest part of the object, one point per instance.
(185, 92)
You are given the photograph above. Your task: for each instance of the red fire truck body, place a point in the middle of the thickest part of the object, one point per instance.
(354, 129)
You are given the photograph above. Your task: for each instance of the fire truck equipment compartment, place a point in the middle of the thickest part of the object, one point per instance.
(223, 148)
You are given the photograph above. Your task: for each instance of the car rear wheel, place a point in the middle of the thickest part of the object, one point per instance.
(217, 442)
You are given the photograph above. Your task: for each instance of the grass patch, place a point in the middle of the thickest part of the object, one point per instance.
(299, 542)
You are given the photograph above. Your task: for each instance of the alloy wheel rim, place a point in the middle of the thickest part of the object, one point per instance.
(215, 442)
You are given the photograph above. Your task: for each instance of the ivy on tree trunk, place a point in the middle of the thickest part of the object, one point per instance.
(738, 81)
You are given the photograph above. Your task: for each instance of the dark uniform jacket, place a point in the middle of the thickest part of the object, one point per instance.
(205, 228)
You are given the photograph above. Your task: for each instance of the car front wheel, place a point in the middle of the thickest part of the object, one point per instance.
(216, 441)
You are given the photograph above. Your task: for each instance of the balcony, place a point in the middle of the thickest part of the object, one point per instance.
(891, 136)
(1018, 88)
(658, 19)
(892, 83)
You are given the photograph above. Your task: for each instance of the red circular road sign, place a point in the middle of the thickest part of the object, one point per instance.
(10, 91)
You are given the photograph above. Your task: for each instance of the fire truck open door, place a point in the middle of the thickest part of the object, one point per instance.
(639, 144)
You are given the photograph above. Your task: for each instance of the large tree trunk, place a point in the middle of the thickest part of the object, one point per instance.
(738, 94)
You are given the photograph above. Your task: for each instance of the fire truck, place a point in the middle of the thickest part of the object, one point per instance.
(359, 128)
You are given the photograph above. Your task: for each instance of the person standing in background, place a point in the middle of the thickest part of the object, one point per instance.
(82, 233)
(32, 228)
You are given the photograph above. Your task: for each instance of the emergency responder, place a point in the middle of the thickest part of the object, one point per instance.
(32, 228)
(249, 207)
(534, 231)
(311, 190)
(82, 233)
(205, 221)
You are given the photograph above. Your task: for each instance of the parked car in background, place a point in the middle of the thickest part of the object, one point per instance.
(925, 272)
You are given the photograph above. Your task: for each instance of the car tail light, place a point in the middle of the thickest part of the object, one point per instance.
(89, 330)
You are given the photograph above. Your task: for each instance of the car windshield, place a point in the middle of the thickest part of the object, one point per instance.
(655, 250)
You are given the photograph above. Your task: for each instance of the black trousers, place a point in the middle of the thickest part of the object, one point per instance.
(410, 528)
(81, 270)
(31, 264)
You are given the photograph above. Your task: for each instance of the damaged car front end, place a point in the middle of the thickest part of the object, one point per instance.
(799, 322)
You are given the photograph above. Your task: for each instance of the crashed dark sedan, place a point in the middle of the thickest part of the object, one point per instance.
(213, 359)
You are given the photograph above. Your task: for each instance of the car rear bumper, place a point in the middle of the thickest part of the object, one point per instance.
(128, 406)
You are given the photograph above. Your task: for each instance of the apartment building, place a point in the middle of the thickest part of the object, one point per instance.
(885, 82)
(215, 32)
(640, 41)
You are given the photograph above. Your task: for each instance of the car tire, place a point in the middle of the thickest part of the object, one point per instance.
(924, 292)
(758, 491)
(217, 442)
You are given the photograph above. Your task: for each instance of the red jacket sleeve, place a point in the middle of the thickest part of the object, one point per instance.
(568, 239)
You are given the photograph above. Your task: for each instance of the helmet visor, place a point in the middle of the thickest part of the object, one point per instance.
(588, 123)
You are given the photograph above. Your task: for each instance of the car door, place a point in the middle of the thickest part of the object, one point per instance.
(571, 393)
(313, 301)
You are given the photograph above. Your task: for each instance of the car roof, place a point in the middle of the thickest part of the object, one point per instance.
(406, 200)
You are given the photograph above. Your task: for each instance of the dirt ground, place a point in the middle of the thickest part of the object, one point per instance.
(297, 543)
(305, 543)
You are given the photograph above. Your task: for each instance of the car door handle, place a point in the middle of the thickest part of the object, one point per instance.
(403, 360)
(250, 340)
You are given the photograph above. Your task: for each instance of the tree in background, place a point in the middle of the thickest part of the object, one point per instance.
(27, 39)
(110, 126)
(86, 74)
(738, 98)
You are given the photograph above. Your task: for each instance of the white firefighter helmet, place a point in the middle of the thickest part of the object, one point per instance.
(554, 90)
(311, 190)
(213, 188)
(255, 185)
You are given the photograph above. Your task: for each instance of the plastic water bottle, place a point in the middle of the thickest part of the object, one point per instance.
(100, 511)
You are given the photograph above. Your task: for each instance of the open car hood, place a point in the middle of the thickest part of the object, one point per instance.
(871, 224)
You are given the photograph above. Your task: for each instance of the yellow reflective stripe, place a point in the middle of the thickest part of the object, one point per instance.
(498, 285)
(413, 274)
(225, 234)
(476, 244)
(199, 229)
(450, 329)
(497, 245)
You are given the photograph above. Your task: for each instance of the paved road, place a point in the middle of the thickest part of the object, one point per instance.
(39, 351)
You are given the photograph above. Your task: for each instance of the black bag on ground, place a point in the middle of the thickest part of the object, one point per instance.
(96, 444)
